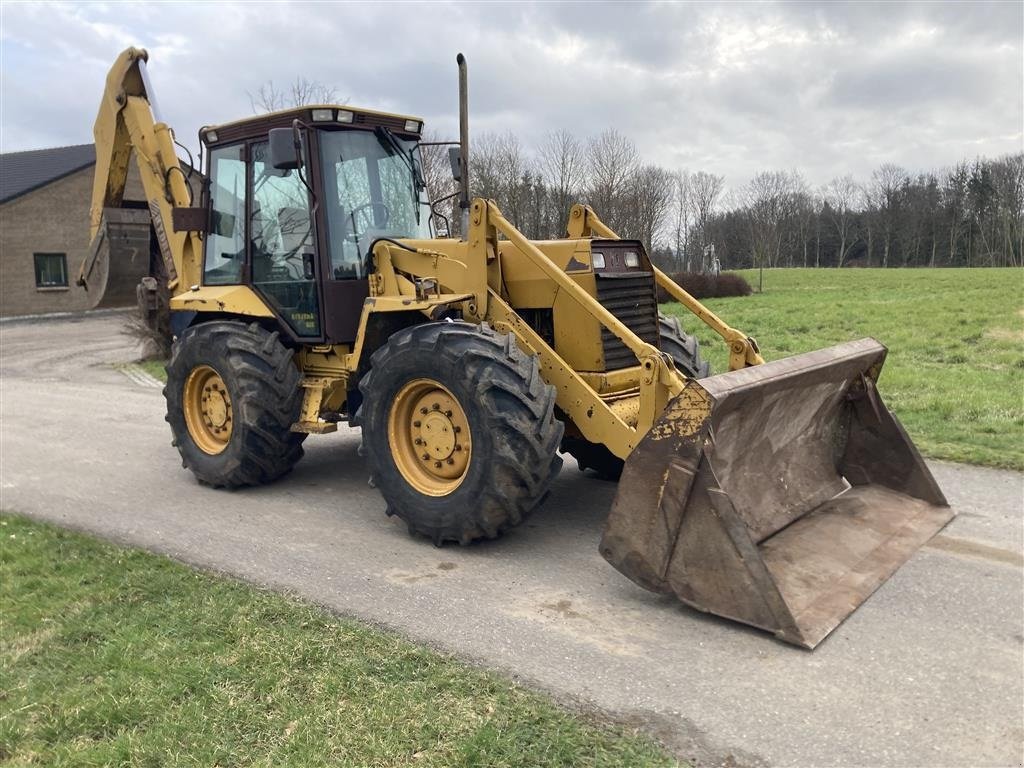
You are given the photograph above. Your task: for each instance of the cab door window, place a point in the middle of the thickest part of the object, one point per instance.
(282, 244)
(225, 244)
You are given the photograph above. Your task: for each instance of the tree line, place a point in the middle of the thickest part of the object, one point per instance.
(971, 214)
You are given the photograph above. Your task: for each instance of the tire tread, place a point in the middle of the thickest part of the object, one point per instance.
(518, 407)
(269, 397)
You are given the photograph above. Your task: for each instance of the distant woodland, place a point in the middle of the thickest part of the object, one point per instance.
(968, 215)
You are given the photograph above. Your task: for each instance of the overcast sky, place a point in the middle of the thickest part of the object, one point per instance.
(827, 88)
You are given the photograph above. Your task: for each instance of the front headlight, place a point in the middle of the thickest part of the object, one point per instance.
(597, 259)
(632, 259)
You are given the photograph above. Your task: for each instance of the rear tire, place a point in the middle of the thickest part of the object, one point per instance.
(232, 395)
(422, 384)
(684, 349)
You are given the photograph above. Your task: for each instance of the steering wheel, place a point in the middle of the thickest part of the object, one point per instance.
(375, 215)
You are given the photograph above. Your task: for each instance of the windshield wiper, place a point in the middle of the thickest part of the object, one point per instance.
(388, 139)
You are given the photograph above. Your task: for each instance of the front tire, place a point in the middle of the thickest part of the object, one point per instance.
(459, 430)
(232, 394)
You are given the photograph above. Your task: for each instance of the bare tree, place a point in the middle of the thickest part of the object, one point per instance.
(802, 209)
(651, 200)
(868, 216)
(611, 160)
(501, 170)
(484, 165)
(842, 194)
(819, 211)
(768, 198)
(561, 162)
(705, 189)
(954, 194)
(270, 98)
(681, 218)
(887, 182)
(514, 171)
(1008, 182)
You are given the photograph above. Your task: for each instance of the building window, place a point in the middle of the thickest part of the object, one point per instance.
(51, 270)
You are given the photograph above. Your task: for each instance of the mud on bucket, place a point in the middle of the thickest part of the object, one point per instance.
(118, 258)
(779, 496)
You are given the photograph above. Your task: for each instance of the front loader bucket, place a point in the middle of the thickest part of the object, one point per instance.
(780, 495)
(118, 258)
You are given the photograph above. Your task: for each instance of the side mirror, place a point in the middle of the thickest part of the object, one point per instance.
(283, 154)
(455, 158)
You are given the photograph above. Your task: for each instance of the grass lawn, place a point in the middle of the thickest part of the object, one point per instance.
(955, 371)
(118, 657)
(154, 368)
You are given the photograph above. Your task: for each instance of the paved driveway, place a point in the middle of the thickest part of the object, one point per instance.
(926, 673)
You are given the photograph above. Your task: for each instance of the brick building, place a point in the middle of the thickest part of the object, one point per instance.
(44, 227)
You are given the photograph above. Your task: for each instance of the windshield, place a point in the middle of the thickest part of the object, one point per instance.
(372, 189)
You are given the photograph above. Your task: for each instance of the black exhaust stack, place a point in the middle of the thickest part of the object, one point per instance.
(463, 144)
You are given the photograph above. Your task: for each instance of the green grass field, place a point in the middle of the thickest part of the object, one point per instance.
(955, 371)
(117, 657)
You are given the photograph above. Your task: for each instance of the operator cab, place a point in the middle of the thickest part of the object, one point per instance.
(296, 200)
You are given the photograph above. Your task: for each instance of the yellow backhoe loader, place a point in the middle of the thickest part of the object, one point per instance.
(307, 286)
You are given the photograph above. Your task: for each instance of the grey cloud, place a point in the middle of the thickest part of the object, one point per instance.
(733, 88)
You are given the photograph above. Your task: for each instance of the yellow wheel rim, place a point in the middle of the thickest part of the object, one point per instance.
(207, 407)
(429, 437)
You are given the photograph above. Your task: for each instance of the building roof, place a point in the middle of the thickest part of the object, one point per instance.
(22, 172)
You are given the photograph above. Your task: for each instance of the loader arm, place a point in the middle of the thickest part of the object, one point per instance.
(127, 123)
(596, 419)
(743, 350)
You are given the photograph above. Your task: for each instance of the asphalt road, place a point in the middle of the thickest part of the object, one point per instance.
(928, 672)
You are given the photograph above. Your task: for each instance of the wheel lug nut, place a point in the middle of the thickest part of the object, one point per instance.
(437, 406)
(457, 430)
(437, 465)
(418, 441)
(426, 457)
(423, 410)
(416, 424)
(458, 447)
(448, 414)
(451, 461)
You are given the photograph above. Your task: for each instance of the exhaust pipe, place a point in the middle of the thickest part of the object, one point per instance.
(463, 144)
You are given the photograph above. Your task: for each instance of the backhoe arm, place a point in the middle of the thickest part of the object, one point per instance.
(128, 122)
(743, 351)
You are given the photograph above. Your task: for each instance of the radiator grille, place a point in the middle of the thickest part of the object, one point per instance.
(632, 299)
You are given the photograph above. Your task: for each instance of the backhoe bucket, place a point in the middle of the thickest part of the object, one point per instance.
(780, 495)
(118, 258)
